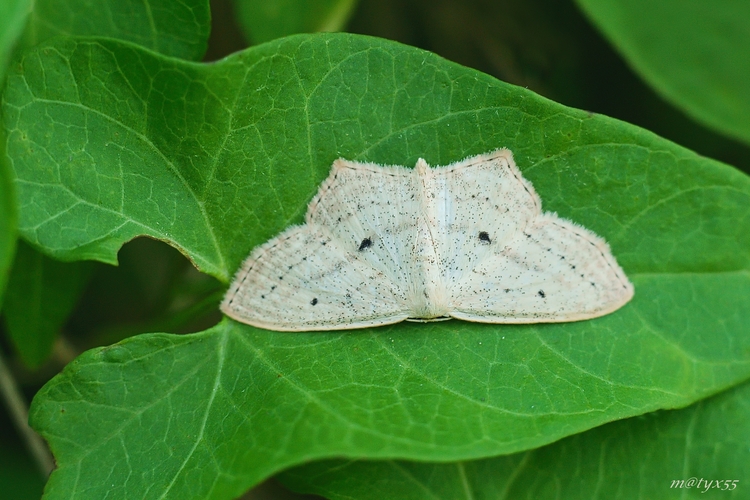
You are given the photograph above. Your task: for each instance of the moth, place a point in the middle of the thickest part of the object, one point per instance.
(383, 244)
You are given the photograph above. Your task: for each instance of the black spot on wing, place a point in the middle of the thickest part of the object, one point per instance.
(366, 243)
(484, 237)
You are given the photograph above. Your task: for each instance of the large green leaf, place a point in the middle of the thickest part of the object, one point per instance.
(264, 20)
(693, 52)
(218, 158)
(41, 294)
(174, 28)
(667, 455)
(43, 291)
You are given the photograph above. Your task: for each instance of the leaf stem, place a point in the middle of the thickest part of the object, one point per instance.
(19, 412)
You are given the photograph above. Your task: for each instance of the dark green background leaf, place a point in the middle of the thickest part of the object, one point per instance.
(695, 53)
(178, 29)
(264, 20)
(7, 219)
(19, 475)
(41, 294)
(12, 17)
(636, 458)
(218, 158)
(153, 288)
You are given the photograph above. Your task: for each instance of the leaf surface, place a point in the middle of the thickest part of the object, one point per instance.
(216, 159)
(654, 456)
(178, 29)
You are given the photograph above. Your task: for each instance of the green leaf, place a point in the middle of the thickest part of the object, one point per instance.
(109, 141)
(178, 29)
(692, 52)
(41, 294)
(264, 20)
(43, 291)
(227, 407)
(636, 458)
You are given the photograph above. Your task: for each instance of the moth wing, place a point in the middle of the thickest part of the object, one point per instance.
(552, 272)
(480, 203)
(304, 280)
(374, 211)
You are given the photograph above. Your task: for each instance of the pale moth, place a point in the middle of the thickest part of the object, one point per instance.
(386, 244)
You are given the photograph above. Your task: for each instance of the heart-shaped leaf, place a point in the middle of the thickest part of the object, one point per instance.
(42, 292)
